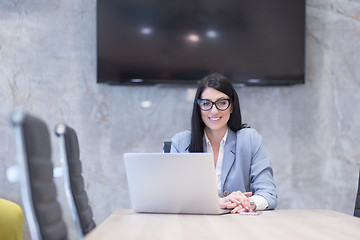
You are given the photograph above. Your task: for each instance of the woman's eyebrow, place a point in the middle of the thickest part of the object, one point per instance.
(220, 98)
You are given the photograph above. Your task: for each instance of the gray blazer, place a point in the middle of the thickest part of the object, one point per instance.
(246, 167)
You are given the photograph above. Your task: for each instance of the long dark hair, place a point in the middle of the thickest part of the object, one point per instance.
(222, 84)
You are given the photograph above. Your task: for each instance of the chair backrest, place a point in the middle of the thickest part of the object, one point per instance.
(38, 191)
(166, 147)
(73, 180)
(357, 202)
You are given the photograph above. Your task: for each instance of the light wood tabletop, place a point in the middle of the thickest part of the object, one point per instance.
(276, 224)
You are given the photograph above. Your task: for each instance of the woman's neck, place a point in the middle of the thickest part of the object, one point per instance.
(215, 136)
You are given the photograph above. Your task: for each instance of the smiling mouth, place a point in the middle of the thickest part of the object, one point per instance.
(214, 118)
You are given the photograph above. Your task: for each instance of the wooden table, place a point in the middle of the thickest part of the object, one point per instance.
(277, 224)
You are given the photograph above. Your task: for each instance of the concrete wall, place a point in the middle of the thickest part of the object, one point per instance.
(48, 67)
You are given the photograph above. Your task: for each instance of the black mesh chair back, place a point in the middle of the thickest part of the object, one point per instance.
(166, 147)
(38, 190)
(357, 202)
(73, 180)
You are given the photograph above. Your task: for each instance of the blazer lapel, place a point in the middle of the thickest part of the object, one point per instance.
(229, 156)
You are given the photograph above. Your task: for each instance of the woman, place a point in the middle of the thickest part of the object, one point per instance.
(243, 170)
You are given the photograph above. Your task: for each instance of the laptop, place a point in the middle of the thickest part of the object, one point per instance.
(172, 183)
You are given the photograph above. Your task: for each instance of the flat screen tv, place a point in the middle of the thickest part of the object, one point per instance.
(251, 42)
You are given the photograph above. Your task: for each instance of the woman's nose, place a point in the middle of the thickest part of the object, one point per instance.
(214, 109)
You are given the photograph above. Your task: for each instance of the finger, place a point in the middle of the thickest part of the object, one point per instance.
(240, 198)
(224, 204)
(238, 209)
(230, 205)
(245, 204)
(241, 210)
(235, 199)
(239, 195)
(248, 205)
(248, 194)
(235, 210)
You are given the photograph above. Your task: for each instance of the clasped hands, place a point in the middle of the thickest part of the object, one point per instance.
(237, 201)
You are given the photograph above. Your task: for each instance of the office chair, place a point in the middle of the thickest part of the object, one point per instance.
(166, 147)
(11, 220)
(38, 191)
(357, 202)
(74, 183)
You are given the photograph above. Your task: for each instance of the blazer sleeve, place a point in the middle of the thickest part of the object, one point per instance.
(261, 173)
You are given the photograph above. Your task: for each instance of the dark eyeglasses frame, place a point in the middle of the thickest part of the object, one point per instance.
(214, 103)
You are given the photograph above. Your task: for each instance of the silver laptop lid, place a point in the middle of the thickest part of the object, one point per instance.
(172, 182)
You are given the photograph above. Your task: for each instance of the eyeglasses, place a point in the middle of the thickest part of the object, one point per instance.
(221, 104)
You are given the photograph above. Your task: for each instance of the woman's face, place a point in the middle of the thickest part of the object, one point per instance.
(214, 119)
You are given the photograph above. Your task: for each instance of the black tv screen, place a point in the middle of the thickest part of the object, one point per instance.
(252, 42)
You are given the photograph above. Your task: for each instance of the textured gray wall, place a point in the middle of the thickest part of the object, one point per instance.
(48, 67)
